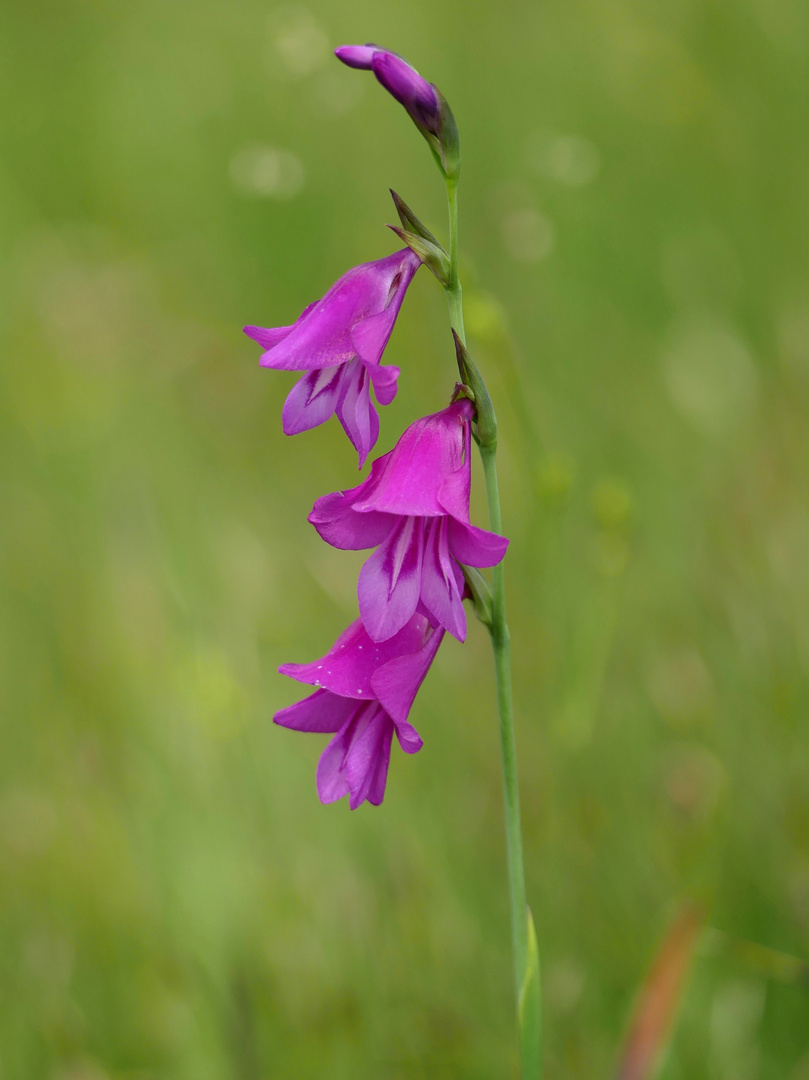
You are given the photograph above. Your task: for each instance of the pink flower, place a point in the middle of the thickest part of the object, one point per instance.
(339, 342)
(365, 692)
(414, 508)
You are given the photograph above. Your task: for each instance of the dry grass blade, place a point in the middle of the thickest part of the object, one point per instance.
(659, 998)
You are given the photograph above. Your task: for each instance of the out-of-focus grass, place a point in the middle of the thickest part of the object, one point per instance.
(174, 902)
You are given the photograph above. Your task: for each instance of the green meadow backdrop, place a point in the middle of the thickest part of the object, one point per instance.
(175, 904)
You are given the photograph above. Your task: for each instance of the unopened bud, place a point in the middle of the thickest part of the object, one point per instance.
(431, 254)
(479, 592)
(425, 104)
(485, 419)
(410, 221)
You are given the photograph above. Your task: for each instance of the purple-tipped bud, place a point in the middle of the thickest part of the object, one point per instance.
(408, 87)
(400, 80)
(356, 56)
(426, 106)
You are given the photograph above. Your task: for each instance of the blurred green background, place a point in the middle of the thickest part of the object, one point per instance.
(174, 901)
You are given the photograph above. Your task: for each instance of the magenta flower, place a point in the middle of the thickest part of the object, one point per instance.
(365, 692)
(402, 81)
(415, 507)
(339, 342)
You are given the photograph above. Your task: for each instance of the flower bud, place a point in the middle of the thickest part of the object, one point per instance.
(410, 221)
(485, 420)
(408, 87)
(425, 104)
(431, 254)
(480, 593)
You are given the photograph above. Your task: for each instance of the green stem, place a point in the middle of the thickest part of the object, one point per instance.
(454, 290)
(526, 962)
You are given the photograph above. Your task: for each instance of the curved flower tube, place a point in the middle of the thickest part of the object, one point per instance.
(365, 692)
(414, 508)
(339, 341)
(402, 82)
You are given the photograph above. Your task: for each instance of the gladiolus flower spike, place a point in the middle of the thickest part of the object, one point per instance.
(339, 341)
(414, 508)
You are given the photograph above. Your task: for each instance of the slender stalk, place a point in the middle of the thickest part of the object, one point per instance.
(454, 291)
(526, 962)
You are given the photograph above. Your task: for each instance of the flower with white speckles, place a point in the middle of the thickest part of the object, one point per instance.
(364, 693)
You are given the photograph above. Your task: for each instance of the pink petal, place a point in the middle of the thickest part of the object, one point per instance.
(355, 411)
(409, 739)
(321, 711)
(385, 382)
(375, 789)
(322, 335)
(312, 400)
(397, 682)
(267, 338)
(348, 667)
(332, 783)
(339, 525)
(356, 761)
(389, 582)
(367, 761)
(453, 495)
(475, 547)
(440, 589)
(371, 335)
(411, 478)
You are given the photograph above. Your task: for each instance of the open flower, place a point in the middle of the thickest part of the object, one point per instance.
(338, 341)
(365, 692)
(402, 81)
(415, 507)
